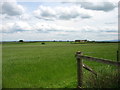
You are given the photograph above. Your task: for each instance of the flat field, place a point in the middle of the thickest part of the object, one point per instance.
(53, 65)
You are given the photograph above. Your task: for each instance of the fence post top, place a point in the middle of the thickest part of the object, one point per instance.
(78, 52)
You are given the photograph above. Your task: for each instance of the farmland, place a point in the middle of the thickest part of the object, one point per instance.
(53, 65)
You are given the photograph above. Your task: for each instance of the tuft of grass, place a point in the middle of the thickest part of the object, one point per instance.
(107, 77)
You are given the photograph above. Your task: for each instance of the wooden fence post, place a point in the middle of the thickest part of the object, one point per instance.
(118, 69)
(117, 55)
(79, 69)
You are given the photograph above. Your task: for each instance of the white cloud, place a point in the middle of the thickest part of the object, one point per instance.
(45, 27)
(25, 16)
(52, 31)
(99, 6)
(97, 29)
(12, 9)
(15, 27)
(63, 13)
(52, 27)
(22, 26)
(8, 27)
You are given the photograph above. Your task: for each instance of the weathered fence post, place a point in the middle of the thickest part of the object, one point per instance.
(117, 56)
(118, 69)
(79, 69)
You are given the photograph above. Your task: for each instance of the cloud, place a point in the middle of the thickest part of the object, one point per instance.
(62, 13)
(99, 29)
(11, 9)
(15, 27)
(110, 23)
(22, 26)
(44, 27)
(39, 27)
(25, 16)
(68, 20)
(51, 27)
(8, 27)
(99, 6)
(53, 31)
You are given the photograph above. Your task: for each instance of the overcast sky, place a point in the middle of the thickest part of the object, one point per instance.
(59, 20)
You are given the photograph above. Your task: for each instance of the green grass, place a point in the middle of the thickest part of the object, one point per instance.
(53, 65)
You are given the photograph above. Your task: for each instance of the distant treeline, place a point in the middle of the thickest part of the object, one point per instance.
(73, 42)
(107, 41)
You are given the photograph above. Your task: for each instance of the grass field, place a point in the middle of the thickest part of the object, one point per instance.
(53, 65)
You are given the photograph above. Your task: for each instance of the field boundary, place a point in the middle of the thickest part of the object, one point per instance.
(79, 56)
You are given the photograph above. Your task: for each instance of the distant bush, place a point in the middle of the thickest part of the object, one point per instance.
(42, 43)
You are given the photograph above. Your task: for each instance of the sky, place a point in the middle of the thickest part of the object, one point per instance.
(71, 20)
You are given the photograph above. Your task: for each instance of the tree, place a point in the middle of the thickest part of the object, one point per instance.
(21, 41)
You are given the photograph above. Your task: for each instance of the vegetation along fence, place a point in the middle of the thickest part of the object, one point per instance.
(79, 56)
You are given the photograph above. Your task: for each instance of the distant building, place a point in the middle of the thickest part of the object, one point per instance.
(80, 40)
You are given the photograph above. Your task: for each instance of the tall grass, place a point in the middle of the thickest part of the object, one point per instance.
(53, 65)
